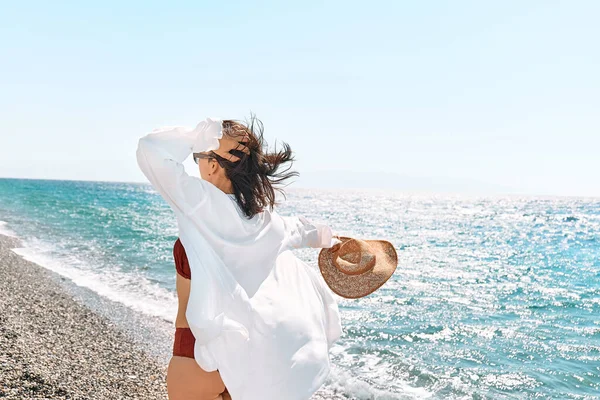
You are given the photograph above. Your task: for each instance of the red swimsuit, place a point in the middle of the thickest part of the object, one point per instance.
(184, 339)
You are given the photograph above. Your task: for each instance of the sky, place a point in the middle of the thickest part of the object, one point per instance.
(491, 95)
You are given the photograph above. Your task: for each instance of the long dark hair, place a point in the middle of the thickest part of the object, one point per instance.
(256, 176)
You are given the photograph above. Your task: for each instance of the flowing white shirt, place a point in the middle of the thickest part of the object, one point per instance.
(260, 315)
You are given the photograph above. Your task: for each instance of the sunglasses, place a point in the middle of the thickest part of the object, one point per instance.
(198, 156)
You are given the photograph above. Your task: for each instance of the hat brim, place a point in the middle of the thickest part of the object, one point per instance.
(360, 285)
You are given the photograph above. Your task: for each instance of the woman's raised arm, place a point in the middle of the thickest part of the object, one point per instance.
(160, 154)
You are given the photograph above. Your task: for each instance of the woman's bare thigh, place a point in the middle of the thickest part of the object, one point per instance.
(186, 380)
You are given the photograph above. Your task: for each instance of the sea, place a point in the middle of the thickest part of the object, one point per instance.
(494, 297)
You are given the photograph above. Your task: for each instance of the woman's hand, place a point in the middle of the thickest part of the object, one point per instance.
(336, 240)
(228, 143)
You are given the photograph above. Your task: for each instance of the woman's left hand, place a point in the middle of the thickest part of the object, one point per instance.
(228, 143)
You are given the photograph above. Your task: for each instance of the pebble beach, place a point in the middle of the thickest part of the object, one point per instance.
(53, 347)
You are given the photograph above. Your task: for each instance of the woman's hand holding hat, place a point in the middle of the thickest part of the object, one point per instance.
(336, 240)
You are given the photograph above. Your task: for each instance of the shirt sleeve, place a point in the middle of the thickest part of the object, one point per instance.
(302, 233)
(160, 154)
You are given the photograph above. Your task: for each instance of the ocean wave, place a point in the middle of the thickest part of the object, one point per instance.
(130, 289)
(5, 230)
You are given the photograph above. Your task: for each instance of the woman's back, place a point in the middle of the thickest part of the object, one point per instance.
(247, 247)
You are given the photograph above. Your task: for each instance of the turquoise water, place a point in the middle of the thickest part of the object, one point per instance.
(494, 297)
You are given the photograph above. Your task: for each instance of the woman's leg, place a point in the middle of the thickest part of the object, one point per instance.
(186, 380)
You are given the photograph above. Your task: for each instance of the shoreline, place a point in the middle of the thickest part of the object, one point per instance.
(51, 346)
(63, 341)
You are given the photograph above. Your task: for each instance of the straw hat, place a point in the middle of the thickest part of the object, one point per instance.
(356, 268)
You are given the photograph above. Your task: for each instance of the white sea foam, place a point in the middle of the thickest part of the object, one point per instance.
(5, 230)
(132, 290)
(341, 381)
(510, 381)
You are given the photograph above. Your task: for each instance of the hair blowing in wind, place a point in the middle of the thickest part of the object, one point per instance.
(256, 176)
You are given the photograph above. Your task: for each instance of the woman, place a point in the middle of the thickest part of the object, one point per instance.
(255, 322)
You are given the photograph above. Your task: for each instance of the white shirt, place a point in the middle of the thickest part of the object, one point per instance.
(260, 315)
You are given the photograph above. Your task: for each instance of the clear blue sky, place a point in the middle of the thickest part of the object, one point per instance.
(504, 93)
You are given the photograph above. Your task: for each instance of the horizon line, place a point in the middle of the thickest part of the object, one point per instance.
(407, 191)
